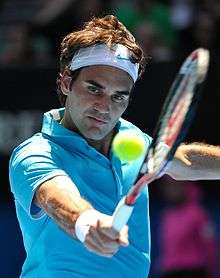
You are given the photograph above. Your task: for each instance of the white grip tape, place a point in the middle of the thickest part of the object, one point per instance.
(84, 221)
(121, 215)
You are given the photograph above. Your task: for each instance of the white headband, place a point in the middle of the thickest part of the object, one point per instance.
(101, 54)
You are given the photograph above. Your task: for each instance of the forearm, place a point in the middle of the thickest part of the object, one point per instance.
(196, 161)
(62, 202)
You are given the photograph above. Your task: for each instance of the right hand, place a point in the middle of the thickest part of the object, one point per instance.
(103, 239)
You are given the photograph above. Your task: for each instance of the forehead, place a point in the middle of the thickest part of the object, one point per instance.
(107, 76)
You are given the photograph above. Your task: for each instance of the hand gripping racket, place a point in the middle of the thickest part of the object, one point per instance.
(173, 123)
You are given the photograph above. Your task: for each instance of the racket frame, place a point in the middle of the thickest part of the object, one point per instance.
(192, 73)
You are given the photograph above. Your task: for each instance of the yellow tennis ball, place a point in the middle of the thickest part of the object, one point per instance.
(128, 145)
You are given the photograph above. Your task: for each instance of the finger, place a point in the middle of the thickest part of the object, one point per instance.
(123, 238)
(186, 160)
(102, 240)
(93, 247)
(183, 158)
(120, 237)
(123, 241)
(106, 230)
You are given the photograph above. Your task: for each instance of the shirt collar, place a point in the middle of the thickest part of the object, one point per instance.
(67, 138)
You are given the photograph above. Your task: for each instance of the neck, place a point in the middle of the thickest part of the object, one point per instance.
(103, 145)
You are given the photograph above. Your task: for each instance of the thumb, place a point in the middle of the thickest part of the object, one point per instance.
(123, 237)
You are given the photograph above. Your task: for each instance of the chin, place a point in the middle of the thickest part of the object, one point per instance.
(96, 136)
(96, 133)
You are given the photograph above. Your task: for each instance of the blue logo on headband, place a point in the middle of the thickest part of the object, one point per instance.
(118, 56)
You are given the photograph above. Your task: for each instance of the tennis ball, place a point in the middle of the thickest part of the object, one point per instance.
(128, 145)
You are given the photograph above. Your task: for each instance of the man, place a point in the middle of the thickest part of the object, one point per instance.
(66, 180)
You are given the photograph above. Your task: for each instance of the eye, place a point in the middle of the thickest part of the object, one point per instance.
(93, 90)
(119, 98)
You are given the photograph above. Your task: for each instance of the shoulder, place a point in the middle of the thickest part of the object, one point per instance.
(37, 145)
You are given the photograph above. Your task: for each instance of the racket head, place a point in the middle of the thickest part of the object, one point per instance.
(174, 121)
(177, 112)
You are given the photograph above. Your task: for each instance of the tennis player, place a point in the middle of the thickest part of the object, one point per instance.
(67, 182)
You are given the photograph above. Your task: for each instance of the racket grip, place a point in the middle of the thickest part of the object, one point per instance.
(121, 215)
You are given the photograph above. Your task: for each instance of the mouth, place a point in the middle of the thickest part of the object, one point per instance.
(97, 120)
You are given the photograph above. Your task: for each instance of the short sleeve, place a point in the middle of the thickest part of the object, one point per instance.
(30, 165)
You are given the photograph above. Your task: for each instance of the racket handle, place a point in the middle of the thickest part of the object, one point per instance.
(121, 215)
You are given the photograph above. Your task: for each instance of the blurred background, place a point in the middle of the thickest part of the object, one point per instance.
(30, 33)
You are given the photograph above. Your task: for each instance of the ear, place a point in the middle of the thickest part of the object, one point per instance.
(65, 82)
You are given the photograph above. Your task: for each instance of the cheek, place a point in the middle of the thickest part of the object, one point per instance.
(75, 101)
(120, 108)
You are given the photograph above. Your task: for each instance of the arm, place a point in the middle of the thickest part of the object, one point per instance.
(61, 200)
(37, 179)
(195, 161)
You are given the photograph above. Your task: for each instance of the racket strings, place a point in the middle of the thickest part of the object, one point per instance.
(174, 120)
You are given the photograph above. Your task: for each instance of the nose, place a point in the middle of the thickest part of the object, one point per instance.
(102, 104)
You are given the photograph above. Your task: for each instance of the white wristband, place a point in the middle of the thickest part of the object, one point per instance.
(84, 221)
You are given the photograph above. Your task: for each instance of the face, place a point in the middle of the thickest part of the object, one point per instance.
(96, 100)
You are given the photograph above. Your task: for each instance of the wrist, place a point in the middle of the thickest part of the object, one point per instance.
(84, 221)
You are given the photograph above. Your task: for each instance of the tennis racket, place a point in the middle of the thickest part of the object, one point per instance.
(174, 121)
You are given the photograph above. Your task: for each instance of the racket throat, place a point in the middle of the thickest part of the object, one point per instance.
(122, 214)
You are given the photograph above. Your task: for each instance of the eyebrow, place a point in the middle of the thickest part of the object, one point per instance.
(92, 82)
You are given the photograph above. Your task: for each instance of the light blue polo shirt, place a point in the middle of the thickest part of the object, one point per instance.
(101, 181)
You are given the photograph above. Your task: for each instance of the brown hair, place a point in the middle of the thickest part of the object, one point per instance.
(108, 30)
